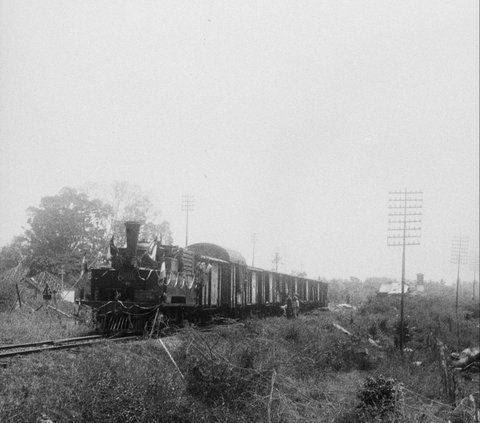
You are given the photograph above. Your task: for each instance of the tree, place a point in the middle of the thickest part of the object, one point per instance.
(276, 261)
(13, 253)
(62, 228)
(130, 202)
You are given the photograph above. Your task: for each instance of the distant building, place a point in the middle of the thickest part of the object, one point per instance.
(395, 288)
(420, 284)
(391, 288)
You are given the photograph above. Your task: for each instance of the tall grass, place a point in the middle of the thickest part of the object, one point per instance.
(24, 325)
(269, 370)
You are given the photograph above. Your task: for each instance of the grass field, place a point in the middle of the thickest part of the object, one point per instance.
(259, 370)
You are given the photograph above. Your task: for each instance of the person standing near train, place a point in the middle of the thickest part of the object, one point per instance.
(295, 306)
(289, 308)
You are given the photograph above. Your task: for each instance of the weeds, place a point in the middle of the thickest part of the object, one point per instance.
(106, 384)
(27, 326)
(379, 396)
(274, 369)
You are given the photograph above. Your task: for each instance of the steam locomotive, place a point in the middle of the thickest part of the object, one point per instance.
(149, 284)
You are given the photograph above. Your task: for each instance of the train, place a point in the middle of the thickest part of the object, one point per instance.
(146, 285)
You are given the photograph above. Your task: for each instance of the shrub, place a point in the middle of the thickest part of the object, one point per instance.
(222, 372)
(378, 396)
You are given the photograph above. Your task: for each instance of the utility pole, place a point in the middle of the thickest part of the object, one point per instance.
(187, 206)
(459, 256)
(404, 226)
(254, 240)
(276, 260)
(474, 264)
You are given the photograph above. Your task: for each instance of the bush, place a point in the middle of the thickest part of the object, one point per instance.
(378, 397)
(222, 372)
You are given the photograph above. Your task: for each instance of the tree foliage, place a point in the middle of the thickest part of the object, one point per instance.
(63, 227)
(130, 202)
(13, 253)
(74, 222)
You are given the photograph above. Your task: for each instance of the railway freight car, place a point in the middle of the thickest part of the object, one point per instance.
(145, 284)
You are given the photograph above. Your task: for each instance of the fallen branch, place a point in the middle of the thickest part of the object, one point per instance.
(60, 311)
(171, 358)
(345, 331)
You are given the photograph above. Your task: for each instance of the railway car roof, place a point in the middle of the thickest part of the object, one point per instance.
(215, 251)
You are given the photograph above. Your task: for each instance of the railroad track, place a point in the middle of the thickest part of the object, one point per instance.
(12, 350)
(57, 344)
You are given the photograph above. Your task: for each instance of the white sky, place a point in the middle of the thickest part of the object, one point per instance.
(291, 119)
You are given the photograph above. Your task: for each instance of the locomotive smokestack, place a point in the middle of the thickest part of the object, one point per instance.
(133, 229)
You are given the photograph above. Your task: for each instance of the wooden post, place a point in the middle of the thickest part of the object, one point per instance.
(154, 322)
(447, 375)
(18, 295)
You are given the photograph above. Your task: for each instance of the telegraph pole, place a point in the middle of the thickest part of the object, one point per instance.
(254, 240)
(474, 263)
(404, 226)
(187, 206)
(459, 256)
(276, 260)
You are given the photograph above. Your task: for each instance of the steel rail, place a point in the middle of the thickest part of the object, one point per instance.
(48, 342)
(62, 345)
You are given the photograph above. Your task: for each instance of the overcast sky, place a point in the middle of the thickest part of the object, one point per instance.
(289, 119)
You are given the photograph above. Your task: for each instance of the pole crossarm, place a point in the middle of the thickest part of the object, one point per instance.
(188, 201)
(401, 221)
(405, 192)
(459, 259)
(399, 244)
(403, 236)
(474, 260)
(409, 197)
(405, 214)
(408, 228)
(402, 207)
(460, 249)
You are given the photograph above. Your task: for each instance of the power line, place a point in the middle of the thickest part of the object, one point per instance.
(188, 202)
(404, 228)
